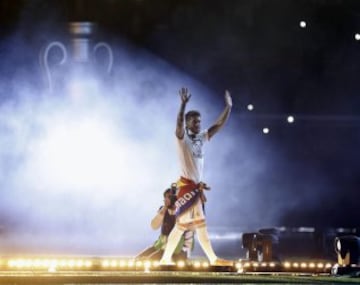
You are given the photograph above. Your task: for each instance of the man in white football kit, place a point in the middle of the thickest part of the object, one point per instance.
(190, 197)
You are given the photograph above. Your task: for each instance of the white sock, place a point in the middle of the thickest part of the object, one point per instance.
(204, 241)
(171, 244)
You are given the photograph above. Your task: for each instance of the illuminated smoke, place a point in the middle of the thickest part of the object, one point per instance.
(83, 169)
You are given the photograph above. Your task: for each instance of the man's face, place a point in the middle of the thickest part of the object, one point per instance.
(194, 124)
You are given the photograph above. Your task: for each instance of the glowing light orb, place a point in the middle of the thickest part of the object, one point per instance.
(302, 24)
(290, 119)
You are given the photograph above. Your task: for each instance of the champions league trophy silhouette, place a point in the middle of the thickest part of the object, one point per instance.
(83, 52)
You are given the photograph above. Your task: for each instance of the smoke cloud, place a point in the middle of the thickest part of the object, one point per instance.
(83, 168)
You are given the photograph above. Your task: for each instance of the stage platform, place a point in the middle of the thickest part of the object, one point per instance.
(117, 270)
(162, 277)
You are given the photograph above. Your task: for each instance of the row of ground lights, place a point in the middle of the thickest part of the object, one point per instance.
(122, 264)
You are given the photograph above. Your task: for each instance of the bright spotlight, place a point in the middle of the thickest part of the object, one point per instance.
(320, 265)
(205, 264)
(71, 263)
(328, 265)
(197, 264)
(290, 119)
(156, 263)
(302, 24)
(357, 36)
(147, 264)
(180, 264)
(250, 107)
(266, 130)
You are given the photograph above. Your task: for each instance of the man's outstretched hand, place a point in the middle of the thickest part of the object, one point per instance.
(228, 99)
(184, 95)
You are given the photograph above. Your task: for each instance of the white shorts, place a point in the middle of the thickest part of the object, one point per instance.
(192, 218)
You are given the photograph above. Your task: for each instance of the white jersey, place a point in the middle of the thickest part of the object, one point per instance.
(191, 155)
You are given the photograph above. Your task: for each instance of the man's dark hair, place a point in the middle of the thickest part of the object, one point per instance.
(191, 114)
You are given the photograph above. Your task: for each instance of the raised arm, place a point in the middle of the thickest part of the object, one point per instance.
(184, 96)
(223, 116)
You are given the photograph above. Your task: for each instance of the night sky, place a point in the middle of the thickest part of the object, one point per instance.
(258, 51)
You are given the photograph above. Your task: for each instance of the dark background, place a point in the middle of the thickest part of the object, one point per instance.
(256, 49)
